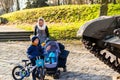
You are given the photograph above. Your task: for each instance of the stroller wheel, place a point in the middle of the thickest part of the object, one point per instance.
(57, 75)
(58, 72)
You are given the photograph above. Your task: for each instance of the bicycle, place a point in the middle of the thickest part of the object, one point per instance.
(24, 71)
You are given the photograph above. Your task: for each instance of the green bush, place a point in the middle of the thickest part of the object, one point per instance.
(3, 20)
(114, 9)
(67, 13)
(57, 31)
(64, 21)
(68, 31)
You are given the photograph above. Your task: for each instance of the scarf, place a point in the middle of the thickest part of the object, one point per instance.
(41, 27)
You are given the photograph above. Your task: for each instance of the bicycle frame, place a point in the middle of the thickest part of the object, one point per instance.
(39, 63)
(29, 69)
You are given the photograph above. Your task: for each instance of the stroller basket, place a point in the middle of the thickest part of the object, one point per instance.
(50, 65)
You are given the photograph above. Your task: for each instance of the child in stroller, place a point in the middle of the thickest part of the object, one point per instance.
(63, 54)
(51, 53)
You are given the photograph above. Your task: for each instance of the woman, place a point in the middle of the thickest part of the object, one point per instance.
(41, 30)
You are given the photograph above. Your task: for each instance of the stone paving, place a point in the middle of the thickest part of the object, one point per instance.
(81, 64)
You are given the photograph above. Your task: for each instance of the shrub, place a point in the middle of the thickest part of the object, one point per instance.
(58, 30)
(66, 14)
(3, 20)
(64, 21)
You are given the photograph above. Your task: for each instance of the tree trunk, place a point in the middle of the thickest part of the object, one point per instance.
(69, 1)
(114, 1)
(104, 8)
(18, 5)
(58, 2)
(7, 10)
(6, 5)
(92, 2)
(80, 1)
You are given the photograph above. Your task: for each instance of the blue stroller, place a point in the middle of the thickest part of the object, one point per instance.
(51, 54)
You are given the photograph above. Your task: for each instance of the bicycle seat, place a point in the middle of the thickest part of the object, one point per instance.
(25, 60)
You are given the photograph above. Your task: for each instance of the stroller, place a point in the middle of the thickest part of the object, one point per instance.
(51, 54)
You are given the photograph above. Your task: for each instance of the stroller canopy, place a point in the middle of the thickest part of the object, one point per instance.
(52, 46)
(51, 54)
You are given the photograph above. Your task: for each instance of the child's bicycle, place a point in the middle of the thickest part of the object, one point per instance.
(20, 72)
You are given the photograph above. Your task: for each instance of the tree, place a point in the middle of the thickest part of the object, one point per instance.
(39, 3)
(92, 2)
(118, 1)
(104, 7)
(58, 2)
(6, 5)
(110, 1)
(36, 3)
(69, 1)
(28, 4)
(114, 2)
(18, 5)
(79, 1)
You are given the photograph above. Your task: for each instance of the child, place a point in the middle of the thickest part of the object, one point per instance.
(52, 49)
(34, 51)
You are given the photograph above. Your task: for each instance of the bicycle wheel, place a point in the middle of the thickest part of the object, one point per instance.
(18, 73)
(40, 74)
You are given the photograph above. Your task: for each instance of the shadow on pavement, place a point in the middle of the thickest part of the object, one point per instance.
(83, 76)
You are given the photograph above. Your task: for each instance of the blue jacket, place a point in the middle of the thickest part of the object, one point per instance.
(34, 51)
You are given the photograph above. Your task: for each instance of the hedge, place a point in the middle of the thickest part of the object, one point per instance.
(64, 21)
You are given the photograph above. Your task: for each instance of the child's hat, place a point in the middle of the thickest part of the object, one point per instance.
(34, 38)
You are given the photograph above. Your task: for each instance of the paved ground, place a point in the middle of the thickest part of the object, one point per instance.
(4, 28)
(81, 64)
